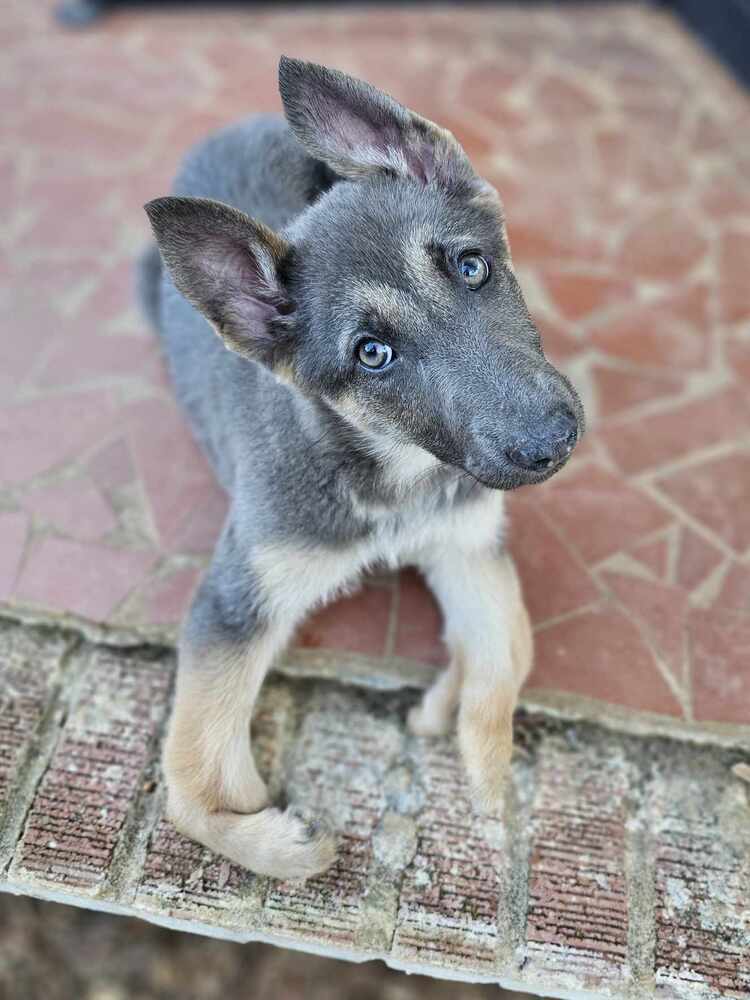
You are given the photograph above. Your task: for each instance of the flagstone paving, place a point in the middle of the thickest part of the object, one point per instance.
(621, 151)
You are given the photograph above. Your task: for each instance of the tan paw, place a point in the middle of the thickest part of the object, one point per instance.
(281, 844)
(424, 723)
(488, 793)
(300, 846)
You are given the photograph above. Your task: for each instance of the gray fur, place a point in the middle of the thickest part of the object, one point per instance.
(471, 384)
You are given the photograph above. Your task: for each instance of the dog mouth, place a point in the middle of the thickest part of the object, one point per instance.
(506, 476)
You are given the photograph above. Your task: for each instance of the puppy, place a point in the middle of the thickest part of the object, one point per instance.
(372, 384)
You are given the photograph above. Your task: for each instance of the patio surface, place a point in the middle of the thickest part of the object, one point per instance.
(621, 151)
(622, 865)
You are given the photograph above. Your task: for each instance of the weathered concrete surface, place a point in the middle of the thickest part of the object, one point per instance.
(621, 867)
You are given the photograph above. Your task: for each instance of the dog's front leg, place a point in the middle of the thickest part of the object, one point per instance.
(243, 615)
(488, 633)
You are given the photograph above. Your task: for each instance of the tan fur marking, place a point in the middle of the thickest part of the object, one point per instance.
(207, 753)
(434, 716)
(488, 632)
(215, 794)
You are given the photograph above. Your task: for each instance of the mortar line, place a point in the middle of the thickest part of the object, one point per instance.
(129, 855)
(641, 902)
(31, 770)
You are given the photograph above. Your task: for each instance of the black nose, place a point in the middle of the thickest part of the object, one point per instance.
(549, 449)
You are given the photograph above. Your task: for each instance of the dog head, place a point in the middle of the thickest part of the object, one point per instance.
(392, 298)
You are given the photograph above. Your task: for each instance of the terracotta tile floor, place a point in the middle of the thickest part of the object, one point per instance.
(621, 150)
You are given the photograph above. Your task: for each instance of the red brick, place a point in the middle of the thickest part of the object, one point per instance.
(355, 624)
(618, 390)
(600, 654)
(696, 559)
(477, 142)
(716, 493)
(726, 197)
(709, 132)
(735, 590)
(452, 889)
(14, 530)
(599, 512)
(29, 673)
(663, 246)
(112, 296)
(491, 82)
(720, 647)
(86, 579)
(175, 474)
(734, 267)
(559, 345)
(738, 356)
(41, 282)
(562, 99)
(341, 759)
(185, 879)
(74, 508)
(419, 624)
(654, 555)
(68, 135)
(82, 805)
(652, 336)
(690, 303)
(70, 216)
(579, 294)
(637, 445)
(112, 466)
(200, 530)
(39, 435)
(577, 918)
(541, 558)
(701, 888)
(35, 324)
(181, 874)
(165, 599)
(84, 357)
(660, 611)
(534, 240)
(638, 160)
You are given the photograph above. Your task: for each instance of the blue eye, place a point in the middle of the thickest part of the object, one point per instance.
(474, 270)
(374, 354)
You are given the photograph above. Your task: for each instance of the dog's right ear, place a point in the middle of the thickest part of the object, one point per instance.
(359, 130)
(231, 268)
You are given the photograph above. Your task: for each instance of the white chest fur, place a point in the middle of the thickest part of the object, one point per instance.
(295, 578)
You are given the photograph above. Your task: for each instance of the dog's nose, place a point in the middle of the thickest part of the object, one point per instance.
(550, 449)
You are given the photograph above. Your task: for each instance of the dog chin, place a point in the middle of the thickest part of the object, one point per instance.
(508, 478)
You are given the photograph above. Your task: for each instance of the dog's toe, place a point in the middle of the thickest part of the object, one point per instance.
(421, 723)
(311, 844)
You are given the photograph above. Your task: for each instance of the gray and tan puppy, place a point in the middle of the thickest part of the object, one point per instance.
(383, 385)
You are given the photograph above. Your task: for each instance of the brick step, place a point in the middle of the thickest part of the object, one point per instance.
(621, 867)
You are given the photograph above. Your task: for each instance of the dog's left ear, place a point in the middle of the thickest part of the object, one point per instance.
(230, 267)
(358, 130)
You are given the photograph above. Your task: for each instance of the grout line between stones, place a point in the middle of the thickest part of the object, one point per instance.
(41, 748)
(126, 867)
(513, 904)
(640, 889)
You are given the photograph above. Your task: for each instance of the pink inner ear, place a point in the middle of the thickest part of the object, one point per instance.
(246, 294)
(352, 134)
(421, 162)
(231, 263)
(252, 318)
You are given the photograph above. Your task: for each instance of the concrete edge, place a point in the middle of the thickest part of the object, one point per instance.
(395, 673)
(113, 908)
